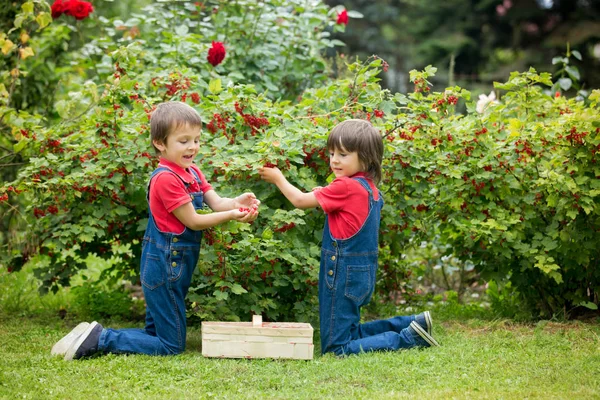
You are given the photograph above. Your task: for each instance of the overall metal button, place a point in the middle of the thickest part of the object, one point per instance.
(175, 240)
(174, 253)
(330, 272)
(174, 264)
(332, 258)
(334, 244)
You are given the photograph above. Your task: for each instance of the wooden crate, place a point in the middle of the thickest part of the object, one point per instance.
(257, 339)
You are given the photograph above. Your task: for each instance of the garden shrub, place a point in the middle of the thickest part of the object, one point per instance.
(511, 190)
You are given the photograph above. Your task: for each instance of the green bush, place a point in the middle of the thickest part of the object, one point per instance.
(99, 301)
(512, 189)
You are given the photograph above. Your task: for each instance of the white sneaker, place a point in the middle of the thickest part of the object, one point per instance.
(60, 348)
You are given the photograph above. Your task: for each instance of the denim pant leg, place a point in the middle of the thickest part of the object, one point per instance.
(341, 332)
(390, 341)
(168, 320)
(347, 336)
(395, 324)
(165, 286)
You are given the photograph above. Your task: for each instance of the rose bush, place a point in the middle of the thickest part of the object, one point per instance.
(85, 175)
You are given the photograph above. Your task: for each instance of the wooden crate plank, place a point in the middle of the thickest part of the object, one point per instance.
(236, 349)
(267, 328)
(256, 338)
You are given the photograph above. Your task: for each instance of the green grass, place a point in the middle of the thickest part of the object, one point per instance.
(478, 359)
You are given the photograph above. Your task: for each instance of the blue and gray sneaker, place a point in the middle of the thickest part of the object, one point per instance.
(424, 320)
(422, 333)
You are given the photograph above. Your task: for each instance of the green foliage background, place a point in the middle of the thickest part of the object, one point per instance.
(512, 190)
(473, 43)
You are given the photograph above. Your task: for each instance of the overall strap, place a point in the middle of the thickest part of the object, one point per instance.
(158, 171)
(367, 187)
(193, 171)
(364, 183)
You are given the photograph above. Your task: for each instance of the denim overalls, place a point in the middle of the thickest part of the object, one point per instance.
(168, 261)
(346, 283)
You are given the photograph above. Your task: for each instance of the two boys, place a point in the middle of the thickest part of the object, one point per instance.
(171, 245)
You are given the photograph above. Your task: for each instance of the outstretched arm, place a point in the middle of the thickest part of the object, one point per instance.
(188, 216)
(218, 203)
(298, 198)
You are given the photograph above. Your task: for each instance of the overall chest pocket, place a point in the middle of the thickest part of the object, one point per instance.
(359, 283)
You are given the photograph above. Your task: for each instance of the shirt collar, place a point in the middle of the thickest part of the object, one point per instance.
(187, 176)
(360, 175)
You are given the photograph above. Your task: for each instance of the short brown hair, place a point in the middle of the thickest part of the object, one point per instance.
(169, 116)
(358, 135)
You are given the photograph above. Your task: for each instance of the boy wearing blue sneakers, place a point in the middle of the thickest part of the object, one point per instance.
(349, 251)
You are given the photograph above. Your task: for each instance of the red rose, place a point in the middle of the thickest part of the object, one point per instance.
(58, 8)
(78, 9)
(216, 53)
(342, 18)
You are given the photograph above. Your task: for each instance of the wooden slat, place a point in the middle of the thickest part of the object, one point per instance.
(255, 338)
(243, 349)
(267, 328)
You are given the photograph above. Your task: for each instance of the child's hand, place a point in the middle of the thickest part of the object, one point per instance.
(270, 174)
(245, 214)
(246, 200)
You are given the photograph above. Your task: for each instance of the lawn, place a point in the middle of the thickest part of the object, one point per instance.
(477, 359)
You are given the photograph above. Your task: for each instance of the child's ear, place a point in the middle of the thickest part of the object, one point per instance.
(159, 145)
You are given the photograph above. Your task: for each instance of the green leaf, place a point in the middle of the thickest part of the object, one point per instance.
(549, 244)
(354, 14)
(588, 304)
(572, 214)
(573, 73)
(28, 7)
(18, 22)
(576, 54)
(267, 234)
(565, 83)
(215, 86)
(594, 193)
(182, 30)
(19, 145)
(43, 19)
(220, 296)
(238, 289)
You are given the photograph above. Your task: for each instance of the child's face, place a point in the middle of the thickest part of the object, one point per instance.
(344, 163)
(182, 145)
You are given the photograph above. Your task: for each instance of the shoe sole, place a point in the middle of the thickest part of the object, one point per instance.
(61, 347)
(75, 346)
(428, 321)
(423, 334)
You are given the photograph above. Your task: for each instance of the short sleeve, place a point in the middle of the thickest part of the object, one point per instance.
(333, 197)
(168, 189)
(204, 185)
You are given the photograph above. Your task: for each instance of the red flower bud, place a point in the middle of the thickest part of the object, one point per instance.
(342, 18)
(216, 53)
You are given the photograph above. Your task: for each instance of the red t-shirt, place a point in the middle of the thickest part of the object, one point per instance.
(167, 192)
(346, 203)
